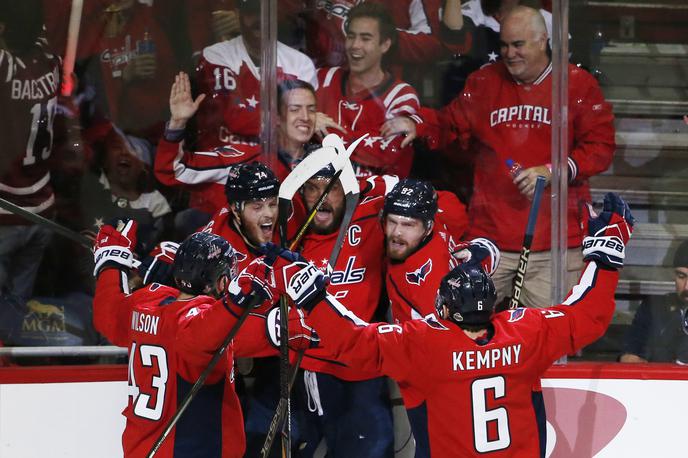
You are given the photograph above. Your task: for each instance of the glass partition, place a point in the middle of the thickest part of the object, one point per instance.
(94, 130)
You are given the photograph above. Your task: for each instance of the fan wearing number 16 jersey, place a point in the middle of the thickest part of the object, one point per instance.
(474, 368)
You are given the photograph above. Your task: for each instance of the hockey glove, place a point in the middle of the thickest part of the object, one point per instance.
(482, 251)
(157, 267)
(301, 336)
(608, 233)
(253, 286)
(299, 279)
(114, 244)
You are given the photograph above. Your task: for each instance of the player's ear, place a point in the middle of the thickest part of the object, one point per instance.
(428, 229)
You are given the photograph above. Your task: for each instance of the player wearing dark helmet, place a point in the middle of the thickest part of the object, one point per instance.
(250, 216)
(475, 368)
(172, 334)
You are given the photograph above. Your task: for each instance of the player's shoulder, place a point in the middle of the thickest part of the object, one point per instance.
(229, 53)
(330, 76)
(525, 318)
(156, 294)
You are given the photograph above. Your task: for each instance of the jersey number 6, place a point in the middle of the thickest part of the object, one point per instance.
(482, 416)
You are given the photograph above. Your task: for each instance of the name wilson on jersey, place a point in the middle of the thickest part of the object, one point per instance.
(529, 113)
(143, 322)
(490, 358)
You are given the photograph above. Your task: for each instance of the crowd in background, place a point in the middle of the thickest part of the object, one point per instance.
(110, 138)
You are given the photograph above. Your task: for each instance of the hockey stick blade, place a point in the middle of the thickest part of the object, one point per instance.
(520, 278)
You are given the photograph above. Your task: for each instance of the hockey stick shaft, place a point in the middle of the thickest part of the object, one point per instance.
(45, 222)
(519, 280)
(255, 300)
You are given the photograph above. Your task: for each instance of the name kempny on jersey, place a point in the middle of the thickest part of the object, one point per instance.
(530, 113)
(36, 88)
(489, 358)
(143, 322)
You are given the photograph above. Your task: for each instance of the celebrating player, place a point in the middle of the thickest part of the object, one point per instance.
(474, 367)
(171, 338)
(248, 220)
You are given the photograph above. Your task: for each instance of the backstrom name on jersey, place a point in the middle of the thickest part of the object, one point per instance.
(34, 89)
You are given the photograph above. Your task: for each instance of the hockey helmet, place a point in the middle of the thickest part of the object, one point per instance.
(201, 260)
(412, 198)
(469, 294)
(250, 181)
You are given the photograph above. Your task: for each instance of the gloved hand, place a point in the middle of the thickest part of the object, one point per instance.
(253, 286)
(294, 276)
(608, 233)
(114, 244)
(482, 251)
(157, 267)
(301, 336)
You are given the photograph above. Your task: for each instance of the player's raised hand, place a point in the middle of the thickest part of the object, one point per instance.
(157, 267)
(294, 276)
(301, 336)
(481, 251)
(257, 279)
(608, 233)
(182, 104)
(114, 245)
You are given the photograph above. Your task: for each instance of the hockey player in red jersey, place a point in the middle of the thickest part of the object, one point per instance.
(229, 74)
(365, 98)
(204, 172)
(350, 406)
(28, 96)
(475, 368)
(249, 217)
(172, 334)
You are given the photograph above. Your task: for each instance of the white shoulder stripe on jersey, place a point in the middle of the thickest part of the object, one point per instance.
(404, 109)
(343, 311)
(188, 175)
(34, 188)
(37, 209)
(393, 93)
(329, 75)
(544, 74)
(573, 167)
(402, 99)
(585, 283)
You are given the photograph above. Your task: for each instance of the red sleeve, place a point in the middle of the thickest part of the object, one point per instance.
(593, 130)
(174, 166)
(582, 318)
(456, 117)
(393, 350)
(251, 340)
(112, 306)
(205, 326)
(452, 213)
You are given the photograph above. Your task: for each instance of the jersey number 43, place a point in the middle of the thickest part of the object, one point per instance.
(155, 358)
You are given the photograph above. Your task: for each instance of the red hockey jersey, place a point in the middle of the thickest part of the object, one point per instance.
(364, 113)
(499, 119)
(231, 81)
(29, 87)
(203, 173)
(221, 224)
(170, 343)
(417, 22)
(356, 280)
(477, 395)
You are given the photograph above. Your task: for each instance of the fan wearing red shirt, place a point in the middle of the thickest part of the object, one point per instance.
(475, 368)
(229, 74)
(366, 99)
(204, 173)
(505, 113)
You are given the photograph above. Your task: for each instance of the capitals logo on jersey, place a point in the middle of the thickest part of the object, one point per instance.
(418, 276)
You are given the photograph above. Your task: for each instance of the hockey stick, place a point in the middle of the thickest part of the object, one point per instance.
(308, 164)
(283, 411)
(45, 222)
(527, 241)
(70, 51)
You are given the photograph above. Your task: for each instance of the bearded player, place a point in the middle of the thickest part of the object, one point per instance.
(468, 355)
